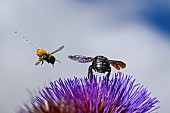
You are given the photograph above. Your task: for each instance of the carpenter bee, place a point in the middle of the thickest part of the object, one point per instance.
(99, 64)
(47, 56)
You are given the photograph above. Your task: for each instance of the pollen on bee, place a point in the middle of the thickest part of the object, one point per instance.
(41, 52)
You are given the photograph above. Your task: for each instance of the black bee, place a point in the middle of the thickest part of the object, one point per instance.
(99, 64)
(47, 56)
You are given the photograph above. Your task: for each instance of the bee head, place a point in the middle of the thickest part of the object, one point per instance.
(41, 52)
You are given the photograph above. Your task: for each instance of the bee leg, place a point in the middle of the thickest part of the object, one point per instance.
(41, 59)
(106, 78)
(58, 61)
(90, 73)
(109, 71)
(42, 62)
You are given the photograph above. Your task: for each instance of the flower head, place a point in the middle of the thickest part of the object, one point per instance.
(119, 94)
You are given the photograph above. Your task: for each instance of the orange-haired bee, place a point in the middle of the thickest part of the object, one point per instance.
(42, 54)
(47, 56)
(99, 63)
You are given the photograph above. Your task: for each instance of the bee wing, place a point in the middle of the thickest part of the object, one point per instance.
(37, 63)
(60, 48)
(81, 59)
(41, 59)
(117, 64)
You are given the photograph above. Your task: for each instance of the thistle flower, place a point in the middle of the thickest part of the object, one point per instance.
(119, 94)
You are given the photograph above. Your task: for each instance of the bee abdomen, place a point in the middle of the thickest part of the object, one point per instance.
(52, 60)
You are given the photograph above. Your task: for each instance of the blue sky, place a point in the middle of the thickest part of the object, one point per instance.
(134, 32)
(158, 15)
(153, 12)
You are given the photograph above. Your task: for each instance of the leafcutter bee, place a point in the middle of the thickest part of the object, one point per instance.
(47, 56)
(99, 64)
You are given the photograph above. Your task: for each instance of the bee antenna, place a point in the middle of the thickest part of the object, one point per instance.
(30, 43)
(16, 32)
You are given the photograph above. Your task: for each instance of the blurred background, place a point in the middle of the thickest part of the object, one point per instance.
(137, 33)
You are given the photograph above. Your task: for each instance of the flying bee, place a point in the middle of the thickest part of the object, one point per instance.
(42, 54)
(99, 64)
(47, 56)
